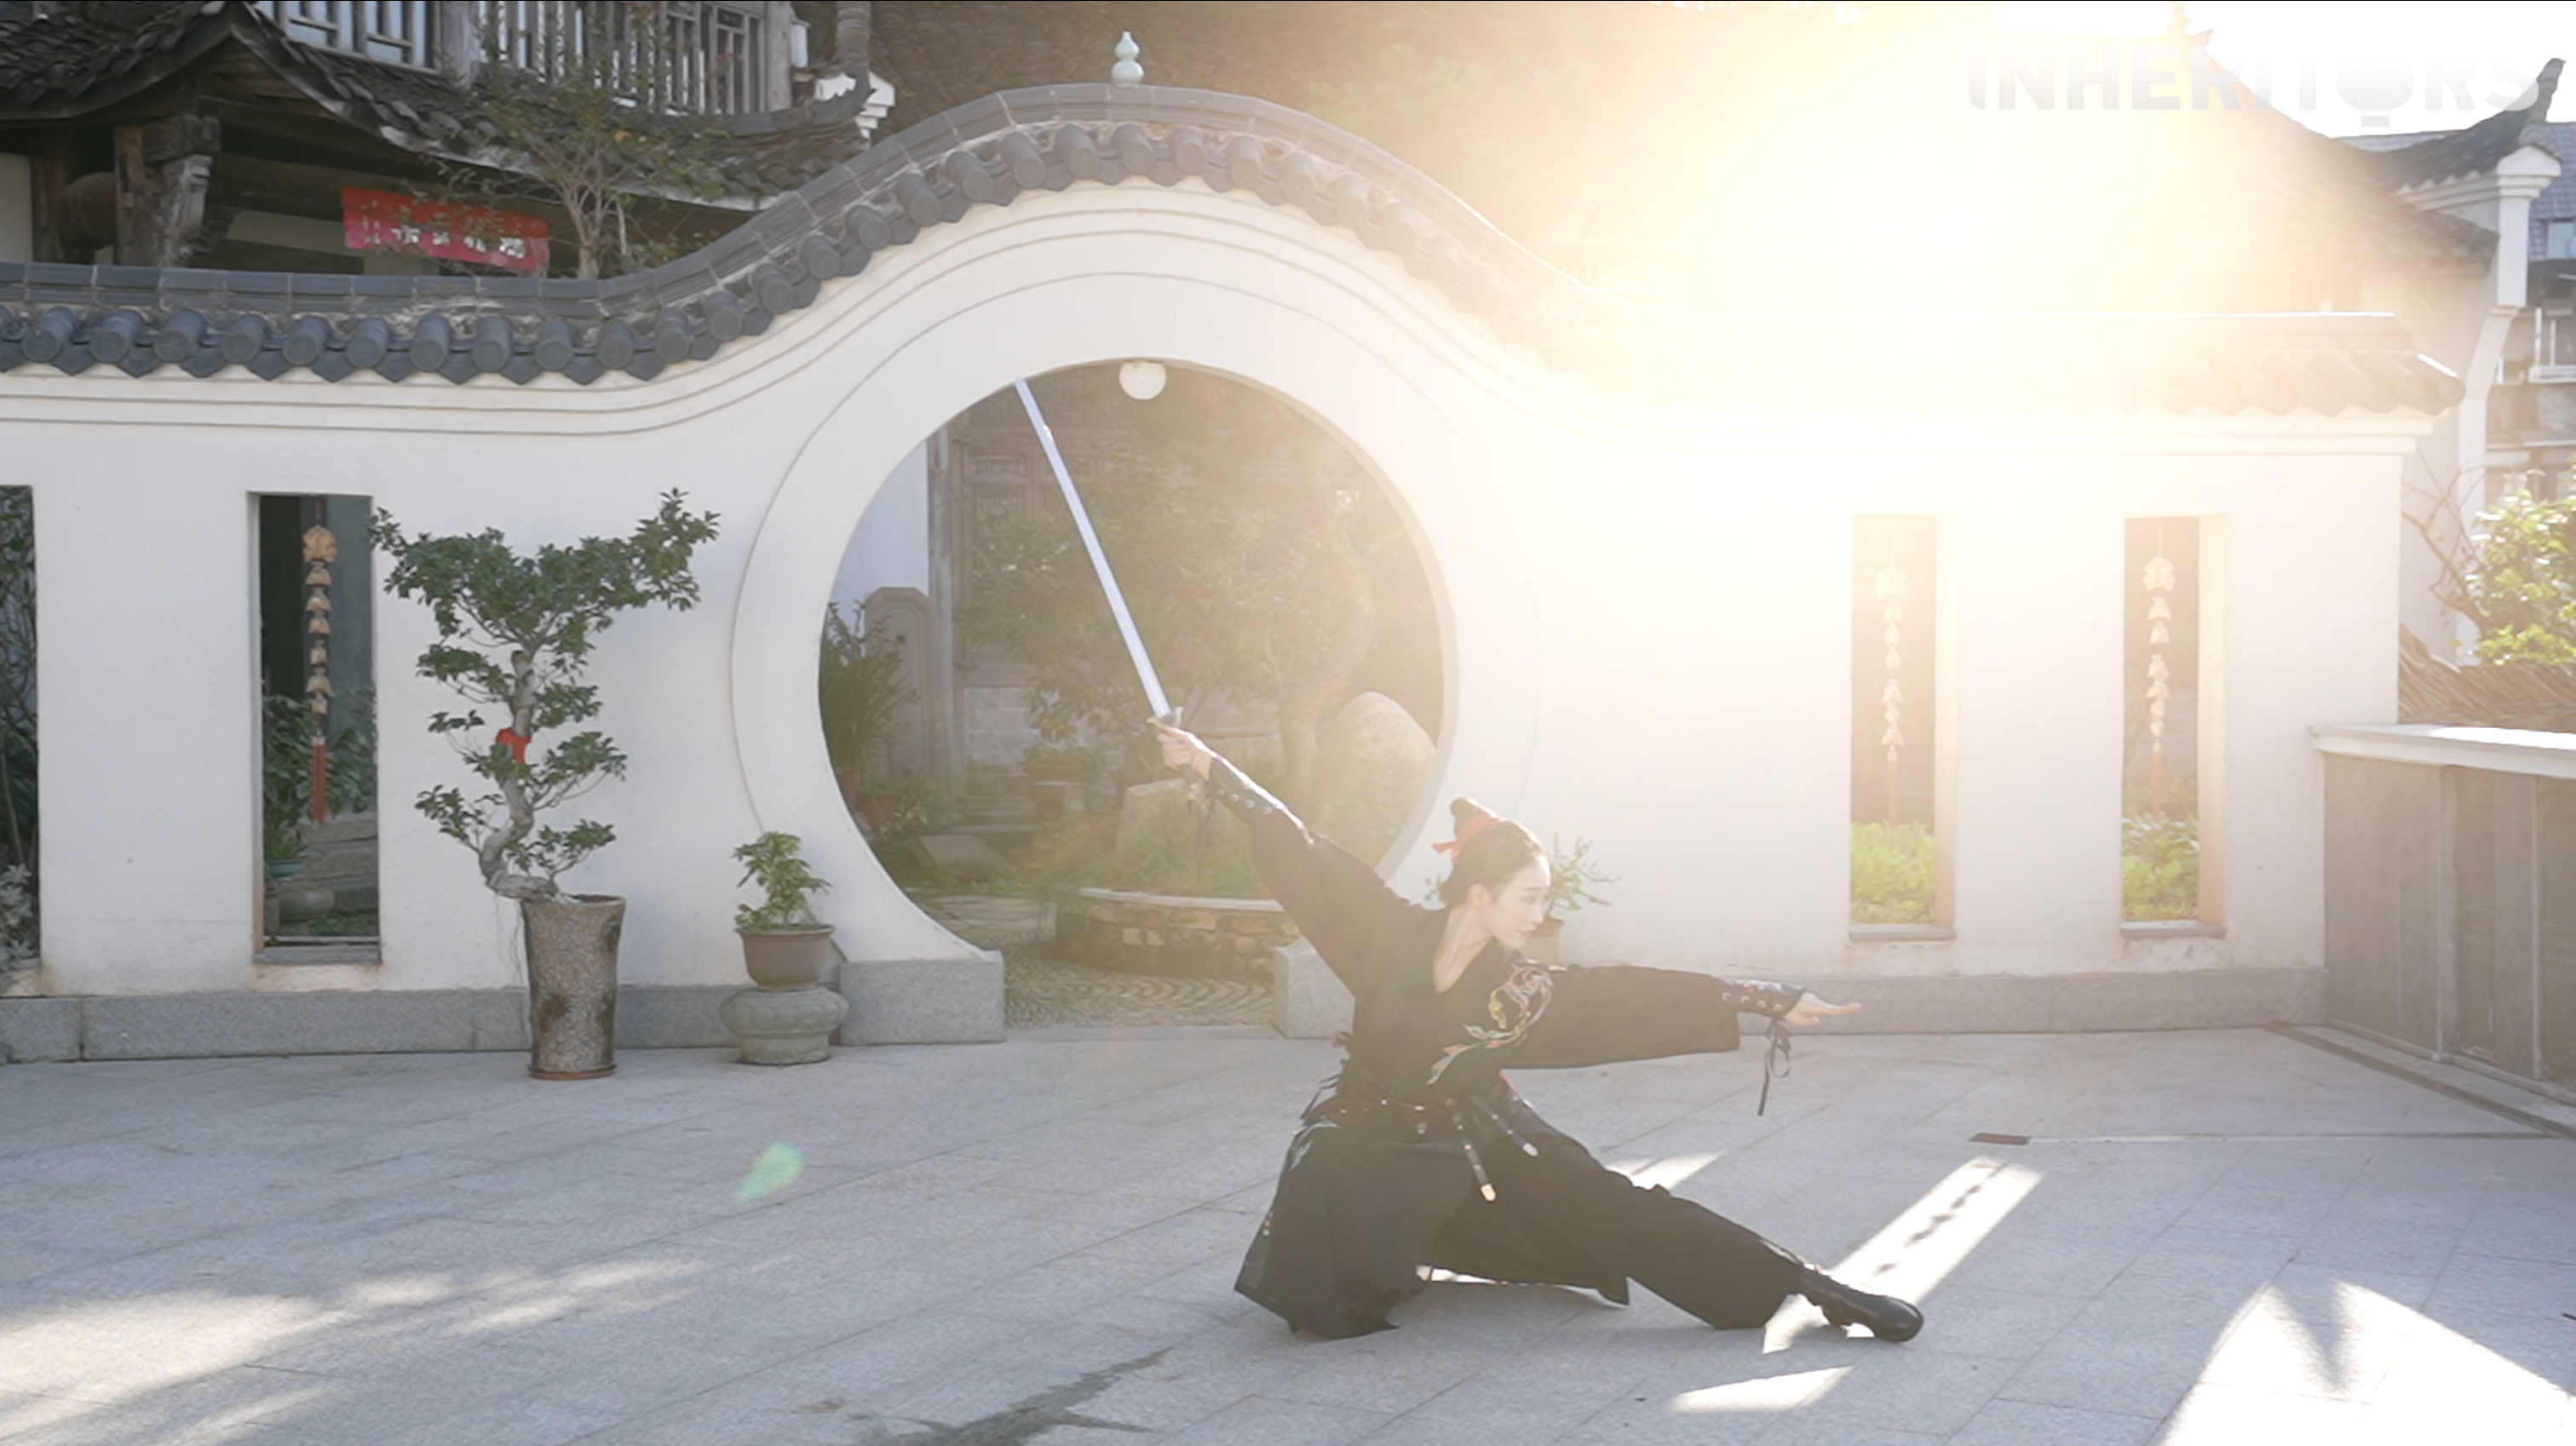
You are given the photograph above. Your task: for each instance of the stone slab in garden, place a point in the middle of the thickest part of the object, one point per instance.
(960, 856)
(1369, 771)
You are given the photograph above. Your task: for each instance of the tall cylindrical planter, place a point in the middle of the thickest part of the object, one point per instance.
(572, 984)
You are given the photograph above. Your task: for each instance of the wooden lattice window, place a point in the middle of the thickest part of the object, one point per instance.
(391, 30)
(675, 57)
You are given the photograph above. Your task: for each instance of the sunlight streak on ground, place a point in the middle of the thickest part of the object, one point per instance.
(1920, 1248)
(1762, 1393)
(1668, 1172)
(2296, 1355)
(82, 1353)
(2334, 1339)
(2467, 1388)
(70, 1351)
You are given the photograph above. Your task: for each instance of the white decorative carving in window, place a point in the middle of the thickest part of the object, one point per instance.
(394, 30)
(673, 57)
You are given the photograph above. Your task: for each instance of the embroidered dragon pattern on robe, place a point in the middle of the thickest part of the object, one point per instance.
(1514, 1006)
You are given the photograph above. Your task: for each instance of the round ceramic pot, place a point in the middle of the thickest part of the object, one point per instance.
(787, 958)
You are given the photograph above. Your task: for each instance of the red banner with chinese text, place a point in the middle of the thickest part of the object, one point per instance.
(410, 226)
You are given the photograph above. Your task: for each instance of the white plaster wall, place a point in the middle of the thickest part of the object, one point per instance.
(1646, 610)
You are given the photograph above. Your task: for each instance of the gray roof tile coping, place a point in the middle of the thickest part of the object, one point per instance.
(692, 307)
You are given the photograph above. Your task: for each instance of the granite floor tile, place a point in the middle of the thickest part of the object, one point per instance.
(2488, 1285)
(2022, 1423)
(1265, 1421)
(1807, 1429)
(1892, 1388)
(1977, 1321)
(435, 1248)
(2137, 1350)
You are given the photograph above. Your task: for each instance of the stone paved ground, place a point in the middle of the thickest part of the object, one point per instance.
(2221, 1237)
(1039, 993)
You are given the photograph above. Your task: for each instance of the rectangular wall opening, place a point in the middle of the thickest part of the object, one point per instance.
(1897, 871)
(20, 939)
(2170, 666)
(316, 581)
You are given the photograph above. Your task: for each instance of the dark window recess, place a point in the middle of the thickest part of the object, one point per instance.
(318, 724)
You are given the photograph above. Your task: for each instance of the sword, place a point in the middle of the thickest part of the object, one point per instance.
(1099, 561)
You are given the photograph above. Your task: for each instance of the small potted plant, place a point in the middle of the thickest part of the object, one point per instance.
(787, 1017)
(783, 945)
(515, 631)
(1571, 874)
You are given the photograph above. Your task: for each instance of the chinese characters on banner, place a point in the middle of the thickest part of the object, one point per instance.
(410, 226)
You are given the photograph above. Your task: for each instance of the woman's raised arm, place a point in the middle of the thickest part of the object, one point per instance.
(1336, 900)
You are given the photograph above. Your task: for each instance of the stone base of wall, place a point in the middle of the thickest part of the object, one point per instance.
(950, 1001)
(1312, 1004)
(923, 1001)
(425, 1021)
(2074, 1003)
(891, 1002)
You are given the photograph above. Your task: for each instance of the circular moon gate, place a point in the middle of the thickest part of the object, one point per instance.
(1097, 276)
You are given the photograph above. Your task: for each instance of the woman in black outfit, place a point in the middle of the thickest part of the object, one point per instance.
(1423, 1155)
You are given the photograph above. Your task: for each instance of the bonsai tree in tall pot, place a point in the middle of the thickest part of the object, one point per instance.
(515, 631)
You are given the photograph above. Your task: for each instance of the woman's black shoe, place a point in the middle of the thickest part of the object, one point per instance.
(1888, 1318)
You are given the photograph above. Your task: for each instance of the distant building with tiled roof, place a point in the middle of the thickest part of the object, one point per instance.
(223, 134)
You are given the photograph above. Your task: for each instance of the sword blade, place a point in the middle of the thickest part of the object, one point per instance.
(1099, 560)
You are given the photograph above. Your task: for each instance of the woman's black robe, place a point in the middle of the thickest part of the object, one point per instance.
(1423, 1156)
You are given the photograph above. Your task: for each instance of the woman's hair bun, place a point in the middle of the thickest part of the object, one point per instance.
(1488, 849)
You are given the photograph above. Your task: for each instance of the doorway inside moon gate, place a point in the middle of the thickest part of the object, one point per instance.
(984, 720)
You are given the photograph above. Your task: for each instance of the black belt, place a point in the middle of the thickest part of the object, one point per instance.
(1482, 1116)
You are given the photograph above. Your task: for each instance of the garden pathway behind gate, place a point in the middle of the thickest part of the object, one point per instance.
(2210, 1237)
(1040, 991)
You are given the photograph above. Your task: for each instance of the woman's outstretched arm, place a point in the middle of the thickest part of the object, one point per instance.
(1336, 900)
(1609, 1013)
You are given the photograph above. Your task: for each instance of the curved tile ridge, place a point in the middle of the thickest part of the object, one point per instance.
(135, 321)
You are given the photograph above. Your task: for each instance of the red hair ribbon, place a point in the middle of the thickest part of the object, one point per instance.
(1467, 832)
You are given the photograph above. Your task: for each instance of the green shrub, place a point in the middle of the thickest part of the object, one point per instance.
(1893, 873)
(776, 862)
(1080, 851)
(2524, 586)
(2159, 868)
